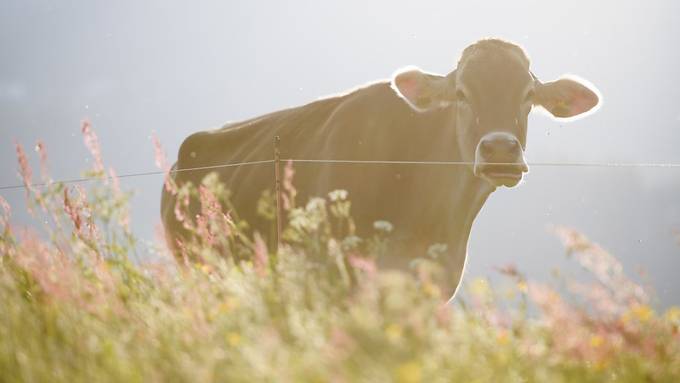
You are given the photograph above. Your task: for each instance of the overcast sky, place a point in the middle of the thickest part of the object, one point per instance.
(175, 67)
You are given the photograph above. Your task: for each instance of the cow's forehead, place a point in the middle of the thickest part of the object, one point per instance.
(494, 60)
(488, 70)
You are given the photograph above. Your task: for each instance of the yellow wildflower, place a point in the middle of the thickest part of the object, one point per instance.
(503, 337)
(596, 341)
(393, 332)
(229, 304)
(600, 365)
(233, 339)
(480, 287)
(431, 290)
(643, 312)
(409, 372)
(522, 286)
(673, 314)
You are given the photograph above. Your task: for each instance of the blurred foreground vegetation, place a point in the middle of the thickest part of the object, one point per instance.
(78, 305)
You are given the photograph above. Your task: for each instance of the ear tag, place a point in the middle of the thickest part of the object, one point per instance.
(561, 108)
(423, 101)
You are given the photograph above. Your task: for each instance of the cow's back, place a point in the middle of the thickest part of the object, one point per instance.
(304, 134)
(369, 124)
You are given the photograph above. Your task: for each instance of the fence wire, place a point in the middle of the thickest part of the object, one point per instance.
(367, 162)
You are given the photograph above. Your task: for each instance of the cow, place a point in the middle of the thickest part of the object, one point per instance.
(475, 116)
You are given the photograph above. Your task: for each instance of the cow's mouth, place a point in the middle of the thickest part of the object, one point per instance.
(503, 179)
(501, 175)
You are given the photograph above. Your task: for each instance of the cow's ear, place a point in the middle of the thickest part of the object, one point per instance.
(422, 91)
(567, 97)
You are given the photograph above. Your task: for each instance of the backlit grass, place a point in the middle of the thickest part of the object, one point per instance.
(75, 307)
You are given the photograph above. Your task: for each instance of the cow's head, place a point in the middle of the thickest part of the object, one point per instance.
(491, 93)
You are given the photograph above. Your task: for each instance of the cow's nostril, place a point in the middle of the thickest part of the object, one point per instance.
(502, 147)
(514, 147)
(487, 148)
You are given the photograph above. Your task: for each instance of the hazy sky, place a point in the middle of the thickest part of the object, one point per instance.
(171, 67)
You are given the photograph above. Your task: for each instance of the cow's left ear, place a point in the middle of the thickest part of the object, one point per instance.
(567, 97)
(422, 91)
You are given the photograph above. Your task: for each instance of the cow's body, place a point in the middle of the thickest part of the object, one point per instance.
(426, 203)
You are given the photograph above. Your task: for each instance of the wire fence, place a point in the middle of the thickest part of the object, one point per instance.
(326, 161)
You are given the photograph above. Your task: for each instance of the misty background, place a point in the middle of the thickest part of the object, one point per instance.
(133, 68)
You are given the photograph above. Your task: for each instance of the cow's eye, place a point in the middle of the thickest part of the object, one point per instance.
(460, 96)
(529, 97)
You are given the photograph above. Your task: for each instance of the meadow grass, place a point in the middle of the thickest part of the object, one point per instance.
(75, 307)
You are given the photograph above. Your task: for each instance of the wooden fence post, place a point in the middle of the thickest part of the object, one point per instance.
(277, 175)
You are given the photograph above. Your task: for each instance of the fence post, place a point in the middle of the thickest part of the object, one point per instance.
(277, 175)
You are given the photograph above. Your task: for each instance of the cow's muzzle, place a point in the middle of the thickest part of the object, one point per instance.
(499, 159)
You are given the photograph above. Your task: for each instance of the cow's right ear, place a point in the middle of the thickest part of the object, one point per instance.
(567, 98)
(422, 91)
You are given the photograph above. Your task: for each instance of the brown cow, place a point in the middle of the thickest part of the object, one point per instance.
(476, 114)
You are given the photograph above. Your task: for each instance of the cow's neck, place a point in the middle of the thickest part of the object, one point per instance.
(461, 194)
(467, 199)
(466, 196)
(465, 192)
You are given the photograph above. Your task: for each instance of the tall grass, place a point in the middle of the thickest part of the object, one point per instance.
(74, 306)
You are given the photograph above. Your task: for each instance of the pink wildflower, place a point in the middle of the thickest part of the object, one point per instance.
(341, 344)
(605, 267)
(289, 191)
(92, 144)
(183, 251)
(42, 153)
(35, 258)
(81, 216)
(203, 229)
(161, 238)
(181, 207)
(210, 209)
(598, 297)
(6, 210)
(210, 206)
(549, 301)
(364, 264)
(124, 218)
(5, 216)
(211, 222)
(72, 210)
(162, 163)
(261, 255)
(25, 170)
(443, 314)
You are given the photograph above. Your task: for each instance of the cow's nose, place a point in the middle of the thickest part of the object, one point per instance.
(500, 159)
(500, 147)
